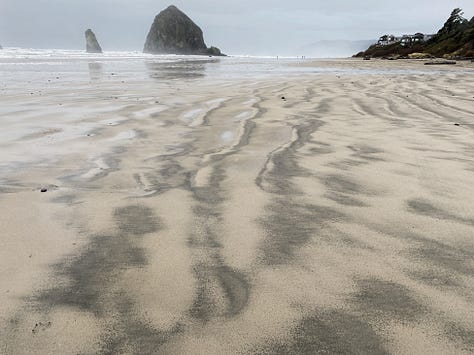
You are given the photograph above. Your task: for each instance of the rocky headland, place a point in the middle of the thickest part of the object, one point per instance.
(455, 40)
(92, 45)
(173, 32)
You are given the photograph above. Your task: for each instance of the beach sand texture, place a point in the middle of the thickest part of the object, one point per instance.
(212, 216)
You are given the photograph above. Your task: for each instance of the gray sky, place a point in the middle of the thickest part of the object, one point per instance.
(260, 27)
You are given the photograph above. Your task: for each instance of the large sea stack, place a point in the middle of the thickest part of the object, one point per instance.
(92, 45)
(173, 32)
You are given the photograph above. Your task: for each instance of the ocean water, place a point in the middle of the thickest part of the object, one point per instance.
(18, 65)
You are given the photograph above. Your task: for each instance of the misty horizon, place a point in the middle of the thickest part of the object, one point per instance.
(300, 28)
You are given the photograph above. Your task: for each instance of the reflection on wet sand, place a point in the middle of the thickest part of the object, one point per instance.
(179, 69)
(96, 71)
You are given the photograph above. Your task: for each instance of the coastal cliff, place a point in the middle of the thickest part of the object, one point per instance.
(173, 32)
(92, 45)
(454, 40)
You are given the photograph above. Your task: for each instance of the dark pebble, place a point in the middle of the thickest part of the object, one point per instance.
(457, 124)
(44, 190)
(283, 98)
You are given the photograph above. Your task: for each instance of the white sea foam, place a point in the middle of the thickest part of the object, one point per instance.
(52, 56)
(19, 66)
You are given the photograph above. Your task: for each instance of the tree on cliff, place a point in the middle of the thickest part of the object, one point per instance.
(453, 23)
(454, 39)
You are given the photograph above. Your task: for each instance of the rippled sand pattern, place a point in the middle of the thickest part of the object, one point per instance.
(199, 216)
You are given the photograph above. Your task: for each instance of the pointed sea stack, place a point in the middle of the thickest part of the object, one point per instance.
(92, 45)
(173, 32)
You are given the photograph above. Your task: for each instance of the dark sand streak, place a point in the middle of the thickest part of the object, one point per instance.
(222, 291)
(328, 332)
(88, 282)
(290, 223)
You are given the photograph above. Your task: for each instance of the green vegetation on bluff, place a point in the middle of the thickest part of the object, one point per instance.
(454, 40)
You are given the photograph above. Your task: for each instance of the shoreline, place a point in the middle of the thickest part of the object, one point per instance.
(188, 211)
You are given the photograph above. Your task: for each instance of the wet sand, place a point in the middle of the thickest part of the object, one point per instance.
(196, 215)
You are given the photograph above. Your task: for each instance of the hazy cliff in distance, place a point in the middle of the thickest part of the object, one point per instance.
(333, 48)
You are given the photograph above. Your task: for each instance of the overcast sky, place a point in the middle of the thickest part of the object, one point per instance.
(260, 27)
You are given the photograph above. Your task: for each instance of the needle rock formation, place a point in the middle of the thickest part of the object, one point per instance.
(92, 45)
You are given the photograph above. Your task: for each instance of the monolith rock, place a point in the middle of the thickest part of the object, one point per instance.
(173, 32)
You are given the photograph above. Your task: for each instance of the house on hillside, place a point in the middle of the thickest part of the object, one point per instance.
(405, 40)
(409, 40)
(426, 38)
(386, 40)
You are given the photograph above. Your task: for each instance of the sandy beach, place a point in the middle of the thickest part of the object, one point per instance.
(325, 208)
